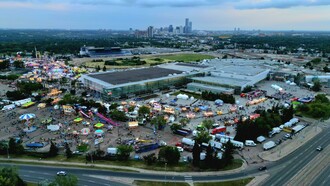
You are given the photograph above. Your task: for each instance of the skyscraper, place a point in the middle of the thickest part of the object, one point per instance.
(170, 28)
(150, 31)
(188, 26)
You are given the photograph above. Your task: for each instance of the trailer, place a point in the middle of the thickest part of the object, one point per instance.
(146, 148)
(182, 132)
(221, 129)
(187, 141)
(22, 102)
(112, 151)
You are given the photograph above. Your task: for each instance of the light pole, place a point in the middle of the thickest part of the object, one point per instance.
(8, 152)
(165, 173)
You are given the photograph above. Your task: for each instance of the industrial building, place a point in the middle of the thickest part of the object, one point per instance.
(221, 76)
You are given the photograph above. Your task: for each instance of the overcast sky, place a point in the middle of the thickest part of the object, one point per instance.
(139, 14)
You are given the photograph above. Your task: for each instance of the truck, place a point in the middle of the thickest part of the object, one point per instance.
(146, 148)
(187, 141)
(22, 102)
(235, 143)
(250, 143)
(219, 136)
(112, 151)
(268, 145)
(182, 132)
(221, 129)
(9, 107)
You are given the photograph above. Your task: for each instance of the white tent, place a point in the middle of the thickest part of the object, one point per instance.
(53, 127)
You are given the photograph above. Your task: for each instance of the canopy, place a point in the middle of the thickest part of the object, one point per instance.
(53, 127)
(27, 116)
(190, 115)
(78, 120)
(99, 131)
(99, 125)
(85, 131)
(218, 102)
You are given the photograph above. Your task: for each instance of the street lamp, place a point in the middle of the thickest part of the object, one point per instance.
(165, 173)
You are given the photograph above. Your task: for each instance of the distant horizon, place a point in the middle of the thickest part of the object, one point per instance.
(209, 15)
(126, 30)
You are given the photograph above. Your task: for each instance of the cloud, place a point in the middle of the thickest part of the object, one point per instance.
(279, 4)
(31, 5)
(238, 4)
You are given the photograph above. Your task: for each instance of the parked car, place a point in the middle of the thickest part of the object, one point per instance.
(279, 141)
(262, 168)
(61, 173)
(288, 136)
(180, 149)
(319, 148)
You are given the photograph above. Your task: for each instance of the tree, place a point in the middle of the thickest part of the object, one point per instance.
(322, 98)
(53, 150)
(68, 180)
(227, 156)
(4, 64)
(196, 151)
(247, 89)
(98, 68)
(209, 156)
(18, 64)
(150, 159)
(15, 147)
(317, 85)
(68, 151)
(159, 122)
(208, 123)
(10, 177)
(104, 68)
(118, 115)
(203, 137)
(144, 111)
(169, 154)
(287, 114)
(124, 152)
(84, 94)
(184, 121)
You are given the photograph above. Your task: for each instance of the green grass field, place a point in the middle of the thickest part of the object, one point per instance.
(241, 182)
(185, 57)
(157, 183)
(157, 59)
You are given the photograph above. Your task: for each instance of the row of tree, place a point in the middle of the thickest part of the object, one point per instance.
(226, 98)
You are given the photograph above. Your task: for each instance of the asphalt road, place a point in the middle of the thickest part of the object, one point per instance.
(324, 178)
(281, 171)
(293, 163)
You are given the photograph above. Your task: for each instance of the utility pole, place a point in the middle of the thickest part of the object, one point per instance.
(165, 173)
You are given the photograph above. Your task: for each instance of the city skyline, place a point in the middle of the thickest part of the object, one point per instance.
(139, 14)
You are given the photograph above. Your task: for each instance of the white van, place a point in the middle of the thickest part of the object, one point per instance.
(250, 143)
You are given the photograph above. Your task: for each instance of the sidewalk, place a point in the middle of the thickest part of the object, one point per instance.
(290, 145)
(81, 165)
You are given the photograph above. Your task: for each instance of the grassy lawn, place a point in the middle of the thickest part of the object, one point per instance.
(186, 57)
(237, 163)
(181, 167)
(157, 183)
(31, 184)
(241, 182)
(156, 59)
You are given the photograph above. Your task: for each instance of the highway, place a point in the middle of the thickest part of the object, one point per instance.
(293, 163)
(324, 178)
(280, 171)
